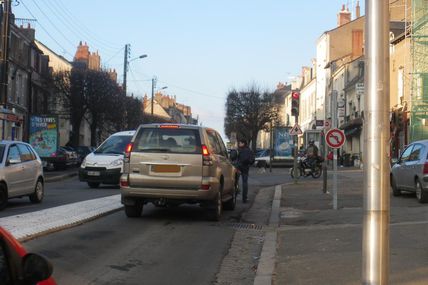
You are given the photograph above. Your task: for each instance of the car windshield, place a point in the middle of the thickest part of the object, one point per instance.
(168, 140)
(114, 145)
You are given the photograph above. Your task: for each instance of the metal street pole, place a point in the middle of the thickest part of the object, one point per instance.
(295, 139)
(271, 154)
(153, 92)
(324, 163)
(334, 125)
(125, 66)
(375, 251)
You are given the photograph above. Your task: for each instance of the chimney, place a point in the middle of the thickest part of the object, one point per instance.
(358, 10)
(357, 43)
(343, 17)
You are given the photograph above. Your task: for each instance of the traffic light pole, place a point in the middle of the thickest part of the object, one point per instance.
(375, 247)
(296, 171)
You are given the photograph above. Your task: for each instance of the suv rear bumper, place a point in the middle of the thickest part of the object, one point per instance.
(130, 193)
(107, 176)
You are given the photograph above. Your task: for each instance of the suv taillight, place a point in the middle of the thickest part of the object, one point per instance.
(128, 150)
(426, 168)
(124, 181)
(206, 156)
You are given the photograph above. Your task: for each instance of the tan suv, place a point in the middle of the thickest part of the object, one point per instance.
(169, 164)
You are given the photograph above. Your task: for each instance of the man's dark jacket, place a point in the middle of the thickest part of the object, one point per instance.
(245, 159)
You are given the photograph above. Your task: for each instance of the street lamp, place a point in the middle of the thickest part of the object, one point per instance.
(141, 56)
(154, 79)
(126, 62)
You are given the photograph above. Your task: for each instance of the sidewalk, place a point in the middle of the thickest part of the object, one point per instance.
(318, 245)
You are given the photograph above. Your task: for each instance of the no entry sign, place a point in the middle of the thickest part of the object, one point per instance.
(335, 138)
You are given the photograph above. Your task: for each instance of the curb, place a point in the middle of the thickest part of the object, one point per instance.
(266, 266)
(60, 177)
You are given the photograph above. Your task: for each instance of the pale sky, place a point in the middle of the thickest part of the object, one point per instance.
(200, 49)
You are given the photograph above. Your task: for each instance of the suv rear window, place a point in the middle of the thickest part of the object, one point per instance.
(168, 140)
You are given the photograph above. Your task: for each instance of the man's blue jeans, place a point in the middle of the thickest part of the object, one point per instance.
(244, 186)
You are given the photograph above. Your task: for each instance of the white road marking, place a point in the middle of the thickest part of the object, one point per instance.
(30, 225)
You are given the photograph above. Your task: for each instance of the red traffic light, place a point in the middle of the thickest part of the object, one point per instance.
(295, 95)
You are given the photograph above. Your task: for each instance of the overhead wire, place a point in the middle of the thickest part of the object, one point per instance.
(45, 30)
(81, 27)
(71, 25)
(182, 88)
(53, 25)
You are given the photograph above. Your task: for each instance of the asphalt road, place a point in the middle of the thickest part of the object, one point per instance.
(58, 193)
(165, 246)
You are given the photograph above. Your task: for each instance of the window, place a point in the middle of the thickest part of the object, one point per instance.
(114, 145)
(406, 154)
(33, 154)
(26, 154)
(14, 154)
(174, 140)
(214, 145)
(5, 277)
(222, 146)
(416, 152)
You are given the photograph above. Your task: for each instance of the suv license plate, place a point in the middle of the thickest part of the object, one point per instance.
(94, 173)
(166, 168)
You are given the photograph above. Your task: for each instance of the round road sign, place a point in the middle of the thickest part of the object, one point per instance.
(335, 138)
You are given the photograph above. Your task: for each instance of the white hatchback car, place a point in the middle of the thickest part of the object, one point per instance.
(105, 164)
(21, 172)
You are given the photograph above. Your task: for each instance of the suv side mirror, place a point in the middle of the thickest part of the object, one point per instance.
(36, 268)
(395, 161)
(233, 155)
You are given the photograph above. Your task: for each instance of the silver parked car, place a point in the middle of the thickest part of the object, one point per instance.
(410, 172)
(21, 172)
(171, 164)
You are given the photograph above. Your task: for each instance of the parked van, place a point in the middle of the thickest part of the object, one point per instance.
(105, 164)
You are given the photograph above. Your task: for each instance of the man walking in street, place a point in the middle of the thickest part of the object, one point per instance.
(245, 159)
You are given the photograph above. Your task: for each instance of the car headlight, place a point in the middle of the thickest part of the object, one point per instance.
(83, 164)
(117, 162)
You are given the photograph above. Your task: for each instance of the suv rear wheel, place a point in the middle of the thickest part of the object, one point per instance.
(134, 211)
(231, 203)
(216, 208)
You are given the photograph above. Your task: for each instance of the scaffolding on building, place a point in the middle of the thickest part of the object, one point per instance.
(418, 33)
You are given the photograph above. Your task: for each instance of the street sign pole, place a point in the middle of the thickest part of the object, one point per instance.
(334, 125)
(295, 152)
(375, 247)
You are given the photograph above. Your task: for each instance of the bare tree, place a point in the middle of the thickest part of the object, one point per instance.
(71, 98)
(248, 111)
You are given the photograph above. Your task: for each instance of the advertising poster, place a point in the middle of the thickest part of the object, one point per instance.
(44, 134)
(283, 143)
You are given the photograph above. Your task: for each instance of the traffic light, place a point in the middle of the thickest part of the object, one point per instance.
(295, 95)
